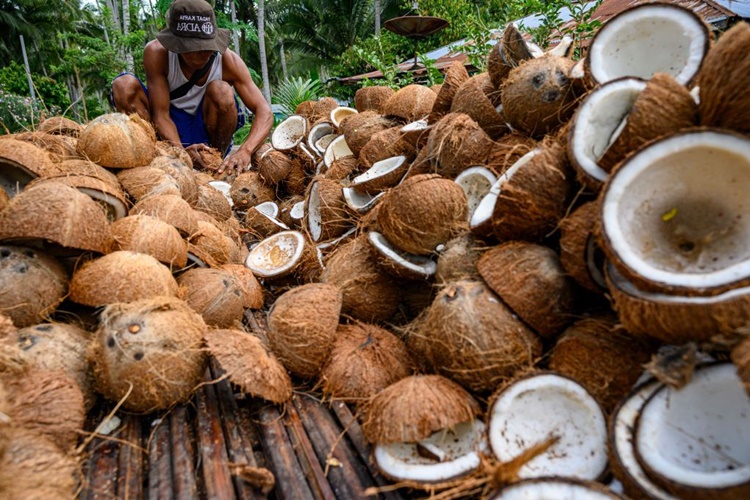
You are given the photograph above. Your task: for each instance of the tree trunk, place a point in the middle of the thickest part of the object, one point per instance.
(125, 32)
(235, 42)
(377, 17)
(113, 8)
(262, 50)
(284, 72)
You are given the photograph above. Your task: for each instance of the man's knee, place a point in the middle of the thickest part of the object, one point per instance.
(220, 94)
(126, 92)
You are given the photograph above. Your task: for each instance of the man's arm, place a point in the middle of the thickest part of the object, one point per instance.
(235, 72)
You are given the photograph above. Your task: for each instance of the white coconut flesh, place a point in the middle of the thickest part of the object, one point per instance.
(552, 488)
(268, 208)
(332, 243)
(298, 211)
(340, 113)
(677, 212)
(445, 455)
(276, 254)
(289, 133)
(380, 169)
(314, 219)
(538, 408)
(600, 120)
(360, 202)
(224, 188)
(305, 151)
(698, 436)
(322, 144)
(562, 49)
(316, 133)
(195, 260)
(114, 208)
(337, 148)
(651, 39)
(476, 183)
(416, 126)
(418, 265)
(624, 420)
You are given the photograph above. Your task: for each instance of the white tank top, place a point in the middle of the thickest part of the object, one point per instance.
(190, 101)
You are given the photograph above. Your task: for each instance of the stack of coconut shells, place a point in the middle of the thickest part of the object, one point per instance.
(530, 282)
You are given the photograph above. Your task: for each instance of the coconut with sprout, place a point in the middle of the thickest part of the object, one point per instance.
(142, 182)
(149, 235)
(20, 163)
(323, 108)
(118, 141)
(358, 129)
(302, 326)
(121, 276)
(248, 190)
(410, 103)
(252, 291)
(149, 353)
(479, 99)
(326, 213)
(457, 142)
(398, 263)
(555, 488)
(455, 75)
(458, 260)
(530, 279)
(60, 148)
(364, 360)
(171, 209)
(510, 51)
(580, 255)
(33, 284)
(289, 133)
(385, 144)
(476, 183)
(182, 173)
(508, 150)
(545, 406)
(59, 125)
(372, 98)
(381, 175)
(215, 294)
(342, 168)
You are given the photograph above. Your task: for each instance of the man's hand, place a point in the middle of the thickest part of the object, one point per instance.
(236, 163)
(194, 152)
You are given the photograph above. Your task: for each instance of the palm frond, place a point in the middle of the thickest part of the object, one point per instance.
(290, 93)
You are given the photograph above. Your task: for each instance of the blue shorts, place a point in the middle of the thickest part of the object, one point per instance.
(192, 128)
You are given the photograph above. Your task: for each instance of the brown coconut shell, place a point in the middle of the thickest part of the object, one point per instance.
(118, 141)
(538, 96)
(458, 260)
(249, 365)
(663, 107)
(249, 189)
(212, 246)
(365, 359)
(252, 290)
(578, 244)
(455, 76)
(322, 108)
(507, 53)
(467, 317)
(342, 168)
(359, 128)
(302, 325)
(33, 284)
(121, 276)
(60, 148)
(531, 280)
(741, 359)
(20, 162)
(149, 235)
(296, 181)
(259, 225)
(171, 209)
(109, 197)
(368, 293)
(59, 125)
(4, 199)
(213, 202)
(372, 98)
(385, 144)
(602, 357)
(306, 109)
(85, 168)
(182, 172)
(164, 148)
(150, 351)
(274, 167)
(142, 182)
(415, 407)
(285, 208)
(479, 99)
(422, 213)
(534, 199)
(335, 217)
(508, 150)
(215, 294)
(456, 143)
(724, 99)
(410, 103)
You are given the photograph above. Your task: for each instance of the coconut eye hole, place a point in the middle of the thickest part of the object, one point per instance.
(111, 342)
(138, 356)
(562, 79)
(4, 253)
(26, 342)
(43, 328)
(30, 254)
(538, 80)
(22, 268)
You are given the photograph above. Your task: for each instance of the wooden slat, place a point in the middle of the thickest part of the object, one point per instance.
(160, 486)
(183, 455)
(211, 446)
(103, 465)
(132, 458)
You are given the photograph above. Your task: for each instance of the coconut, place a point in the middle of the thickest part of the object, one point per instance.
(410, 103)
(261, 221)
(252, 291)
(146, 181)
(414, 408)
(119, 141)
(476, 183)
(372, 98)
(422, 213)
(624, 45)
(545, 406)
(165, 148)
(456, 142)
(479, 99)
(359, 202)
(60, 148)
(364, 360)
(291, 211)
(149, 353)
(510, 51)
(369, 294)
(85, 168)
(580, 256)
(20, 163)
(182, 173)
(338, 114)
(215, 294)
(59, 125)
(296, 181)
(687, 237)
(398, 263)
(4, 199)
(248, 190)
(358, 129)
(211, 245)
(415, 134)
(248, 364)
(121, 276)
(317, 133)
(342, 168)
(714, 410)
(555, 488)
(108, 196)
(385, 144)
(302, 325)
(32, 284)
(280, 255)
(455, 76)
(306, 109)
(381, 175)
(323, 108)
(326, 214)
(171, 209)
(149, 235)
(274, 167)
(508, 150)
(337, 148)
(213, 202)
(289, 133)
(458, 260)
(530, 279)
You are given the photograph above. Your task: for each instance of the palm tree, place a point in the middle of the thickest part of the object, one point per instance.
(262, 50)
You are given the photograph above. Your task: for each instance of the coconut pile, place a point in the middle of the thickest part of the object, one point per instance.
(528, 283)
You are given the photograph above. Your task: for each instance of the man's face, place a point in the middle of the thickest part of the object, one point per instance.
(196, 60)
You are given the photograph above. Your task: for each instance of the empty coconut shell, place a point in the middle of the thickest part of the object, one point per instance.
(152, 236)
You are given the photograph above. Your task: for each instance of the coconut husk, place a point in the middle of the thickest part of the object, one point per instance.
(203, 178)
(365, 359)
(342, 168)
(149, 235)
(422, 164)
(121, 276)
(21, 162)
(415, 407)
(422, 213)
(215, 294)
(302, 325)
(249, 189)
(335, 217)
(507, 54)
(410, 103)
(149, 353)
(85, 168)
(285, 208)
(212, 159)
(602, 357)
(4, 199)
(171, 209)
(538, 96)
(358, 129)
(213, 202)
(33, 284)
(5, 426)
(60, 148)
(508, 150)
(211, 245)
(260, 226)
(455, 76)
(164, 148)
(724, 100)
(458, 260)
(59, 125)
(118, 141)
(467, 317)
(182, 173)
(230, 228)
(142, 182)
(662, 108)
(456, 143)
(741, 359)
(368, 293)
(109, 197)
(296, 181)
(323, 107)
(479, 99)
(372, 98)
(531, 280)
(577, 247)
(306, 109)
(252, 291)
(274, 167)
(249, 365)
(385, 144)
(535, 197)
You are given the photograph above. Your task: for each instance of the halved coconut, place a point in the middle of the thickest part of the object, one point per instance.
(59, 147)
(458, 260)
(386, 144)
(277, 255)
(555, 488)
(358, 129)
(292, 211)
(623, 46)
(455, 75)
(689, 237)
(212, 201)
(338, 114)
(181, 170)
(210, 245)
(86, 168)
(321, 145)
(476, 183)
(149, 235)
(20, 163)
(381, 175)
(248, 190)
(289, 133)
(145, 181)
(317, 132)
(118, 141)
(261, 220)
(172, 209)
(360, 202)
(546, 406)
(415, 133)
(372, 98)
(508, 150)
(109, 197)
(224, 188)
(215, 294)
(510, 51)
(326, 212)
(712, 411)
(580, 255)
(456, 142)
(337, 148)
(399, 263)
(479, 99)
(410, 103)
(59, 125)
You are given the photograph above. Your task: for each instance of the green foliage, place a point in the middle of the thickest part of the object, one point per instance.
(551, 21)
(290, 93)
(50, 92)
(18, 113)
